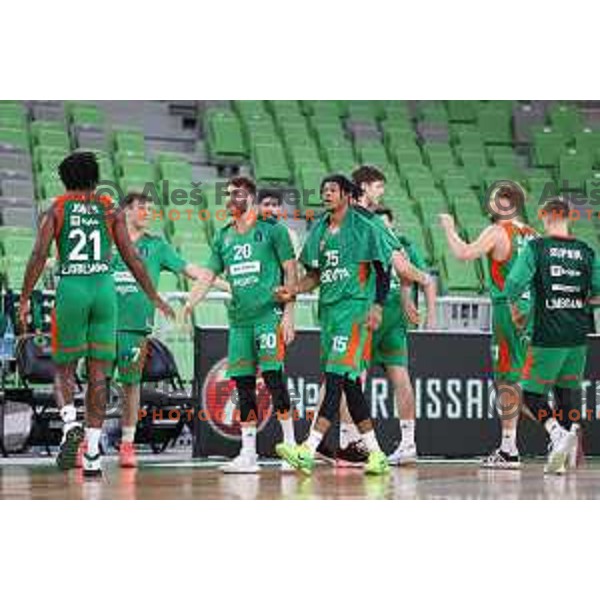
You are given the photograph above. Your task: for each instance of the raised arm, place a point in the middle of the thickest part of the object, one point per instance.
(134, 262)
(465, 250)
(36, 264)
(595, 298)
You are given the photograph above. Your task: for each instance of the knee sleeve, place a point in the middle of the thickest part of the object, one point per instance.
(568, 406)
(278, 390)
(538, 405)
(355, 399)
(246, 390)
(330, 407)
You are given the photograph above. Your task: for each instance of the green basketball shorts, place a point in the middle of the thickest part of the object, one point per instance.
(84, 318)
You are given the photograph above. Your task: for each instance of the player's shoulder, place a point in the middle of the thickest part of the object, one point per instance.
(364, 212)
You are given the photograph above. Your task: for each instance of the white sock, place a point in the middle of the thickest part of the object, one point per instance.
(249, 439)
(371, 441)
(509, 441)
(553, 427)
(287, 427)
(127, 434)
(348, 434)
(68, 414)
(314, 439)
(407, 428)
(92, 438)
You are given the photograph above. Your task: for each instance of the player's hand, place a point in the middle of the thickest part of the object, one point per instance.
(284, 294)
(431, 321)
(446, 221)
(411, 311)
(188, 311)
(289, 328)
(165, 309)
(23, 313)
(374, 317)
(519, 319)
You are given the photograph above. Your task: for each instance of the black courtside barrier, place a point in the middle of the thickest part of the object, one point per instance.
(455, 398)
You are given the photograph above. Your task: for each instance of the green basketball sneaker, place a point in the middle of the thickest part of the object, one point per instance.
(377, 464)
(300, 457)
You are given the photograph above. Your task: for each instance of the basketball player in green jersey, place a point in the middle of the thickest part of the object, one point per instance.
(340, 252)
(389, 348)
(501, 244)
(83, 225)
(135, 313)
(564, 274)
(255, 254)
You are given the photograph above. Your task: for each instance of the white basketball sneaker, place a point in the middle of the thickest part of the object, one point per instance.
(245, 462)
(562, 443)
(92, 466)
(404, 455)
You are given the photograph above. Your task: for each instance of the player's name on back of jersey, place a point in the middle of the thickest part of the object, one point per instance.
(84, 269)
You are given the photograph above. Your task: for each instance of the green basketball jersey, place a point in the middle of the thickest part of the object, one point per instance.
(135, 310)
(392, 310)
(344, 255)
(251, 263)
(562, 284)
(83, 237)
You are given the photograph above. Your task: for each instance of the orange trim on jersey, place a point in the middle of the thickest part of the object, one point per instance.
(280, 345)
(504, 365)
(349, 358)
(364, 270)
(528, 364)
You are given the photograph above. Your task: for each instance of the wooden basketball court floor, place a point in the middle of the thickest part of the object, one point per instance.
(184, 479)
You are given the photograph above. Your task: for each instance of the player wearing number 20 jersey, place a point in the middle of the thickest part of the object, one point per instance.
(84, 320)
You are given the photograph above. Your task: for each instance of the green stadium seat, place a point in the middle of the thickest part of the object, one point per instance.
(473, 164)
(362, 110)
(17, 138)
(250, 109)
(47, 159)
(137, 169)
(13, 115)
(129, 142)
(592, 186)
(50, 188)
(460, 276)
(566, 120)
(225, 140)
(373, 154)
(284, 109)
(175, 170)
(462, 110)
(396, 140)
(270, 163)
(406, 157)
(587, 140)
(432, 111)
(306, 154)
(52, 138)
(86, 114)
(309, 181)
(574, 168)
(495, 125)
(502, 156)
(548, 145)
(340, 159)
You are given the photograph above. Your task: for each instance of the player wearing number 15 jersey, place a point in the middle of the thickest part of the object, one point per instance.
(83, 225)
(251, 252)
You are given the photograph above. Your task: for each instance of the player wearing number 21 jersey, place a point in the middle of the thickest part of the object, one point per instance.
(83, 226)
